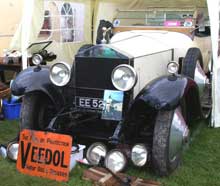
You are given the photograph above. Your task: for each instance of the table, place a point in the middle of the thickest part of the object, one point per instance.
(8, 67)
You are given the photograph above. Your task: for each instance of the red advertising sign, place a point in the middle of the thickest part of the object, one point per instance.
(44, 154)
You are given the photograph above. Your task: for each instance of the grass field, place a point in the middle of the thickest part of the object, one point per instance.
(200, 165)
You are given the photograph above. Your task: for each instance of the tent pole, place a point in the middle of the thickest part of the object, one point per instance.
(213, 7)
(26, 21)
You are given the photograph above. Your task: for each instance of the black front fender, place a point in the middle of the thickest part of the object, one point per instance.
(165, 93)
(32, 79)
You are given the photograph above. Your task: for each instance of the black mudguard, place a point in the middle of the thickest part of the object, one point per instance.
(167, 93)
(37, 79)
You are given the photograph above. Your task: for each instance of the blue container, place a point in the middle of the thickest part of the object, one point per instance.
(11, 111)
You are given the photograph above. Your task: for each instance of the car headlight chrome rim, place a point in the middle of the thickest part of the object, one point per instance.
(37, 59)
(95, 152)
(116, 161)
(124, 77)
(173, 67)
(60, 74)
(12, 151)
(3, 151)
(139, 155)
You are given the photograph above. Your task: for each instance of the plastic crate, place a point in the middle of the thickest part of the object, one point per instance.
(11, 111)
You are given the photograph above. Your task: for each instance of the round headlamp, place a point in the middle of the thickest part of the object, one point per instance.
(173, 67)
(12, 151)
(139, 155)
(124, 77)
(95, 152)
(37, 59)
(3, 151)
(60, 74)
(115, 160)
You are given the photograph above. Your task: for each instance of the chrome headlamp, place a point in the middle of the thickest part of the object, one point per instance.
(95, 152)
(115, 160)
(124, 77)
(3, 151)
(60, 74)
(12, 151)
(37, 59)
(173, 67)
(139, 155)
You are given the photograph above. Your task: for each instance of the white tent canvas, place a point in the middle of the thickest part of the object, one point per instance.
(34, 19)
(213, 7)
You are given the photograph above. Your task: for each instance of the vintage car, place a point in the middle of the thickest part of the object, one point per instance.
(135, 94)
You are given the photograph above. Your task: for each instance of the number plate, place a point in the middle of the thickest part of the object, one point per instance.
(90, 103)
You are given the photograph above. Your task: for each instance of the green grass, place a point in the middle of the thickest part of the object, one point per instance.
(200, 165)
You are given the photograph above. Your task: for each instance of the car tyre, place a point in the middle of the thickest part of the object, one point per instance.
(193, 55)
(36, 111)
(162, 164)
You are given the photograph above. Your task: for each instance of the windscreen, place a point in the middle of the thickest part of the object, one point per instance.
(101, 51)
(38, 46)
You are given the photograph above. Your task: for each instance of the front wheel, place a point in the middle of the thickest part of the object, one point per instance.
(170, 134)
(36, 111)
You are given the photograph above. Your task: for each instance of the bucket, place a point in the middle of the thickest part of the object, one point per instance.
(11, 111)
(76, 154)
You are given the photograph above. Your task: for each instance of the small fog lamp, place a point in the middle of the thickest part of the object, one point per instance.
(37, 59)
(173, 67)
(95, 152)
(12, 151)
(139, 155)
(115, 160)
